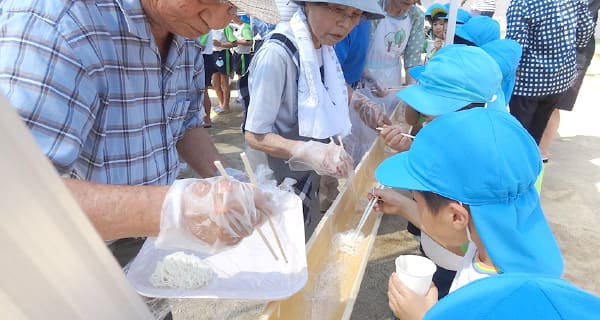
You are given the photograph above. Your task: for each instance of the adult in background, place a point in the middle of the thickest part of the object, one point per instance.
(584, 57)
(483, 8)
(292, 116)
(112, 91)
(396, 42)
(549, 31)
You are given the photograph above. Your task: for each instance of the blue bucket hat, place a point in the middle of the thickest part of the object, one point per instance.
(462, 15)
(486, 159)
(517, 296)
(479, 30)
(371, 10)
(507, 53)
(456, 76)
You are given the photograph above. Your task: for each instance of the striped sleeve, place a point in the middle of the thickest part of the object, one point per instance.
(45, 81)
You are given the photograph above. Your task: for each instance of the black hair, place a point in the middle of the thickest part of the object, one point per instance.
(459, 40)
(471, 106)
(434, 201)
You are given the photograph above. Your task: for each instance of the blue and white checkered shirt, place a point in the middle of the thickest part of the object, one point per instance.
(87, 78)
(549, 32)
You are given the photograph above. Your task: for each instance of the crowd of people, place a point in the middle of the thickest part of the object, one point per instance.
(115, 94)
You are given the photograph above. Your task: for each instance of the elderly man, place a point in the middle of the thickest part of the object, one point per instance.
(112, 91)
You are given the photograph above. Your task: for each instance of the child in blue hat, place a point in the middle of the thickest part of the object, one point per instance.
(472, 174)
(458, 76)
(436, 17)
(517, 296)
(477, 31)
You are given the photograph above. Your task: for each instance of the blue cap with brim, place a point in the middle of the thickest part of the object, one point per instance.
(462, 15)
(486, 159)
(456, 76)
(435, 9)
(507, 54)
(479, 30)
(519, 297)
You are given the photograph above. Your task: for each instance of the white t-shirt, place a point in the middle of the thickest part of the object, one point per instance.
(208, 49)
(485, 5)
(471, 269)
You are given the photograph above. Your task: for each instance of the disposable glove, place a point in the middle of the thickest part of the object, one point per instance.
(212, 214)
(372, 114)
(375, 86)
(324, 158)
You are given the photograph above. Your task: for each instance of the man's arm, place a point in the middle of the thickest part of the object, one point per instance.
(120, 211)
(199, 151)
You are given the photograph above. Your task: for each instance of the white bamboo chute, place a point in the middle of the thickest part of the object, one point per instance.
(54, 264)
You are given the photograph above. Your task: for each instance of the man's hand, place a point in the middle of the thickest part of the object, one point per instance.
(212, 214)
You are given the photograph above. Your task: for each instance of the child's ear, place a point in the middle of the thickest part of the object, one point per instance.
(460, 215)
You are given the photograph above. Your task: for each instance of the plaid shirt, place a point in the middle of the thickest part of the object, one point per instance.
(87, 79)
(549, 32)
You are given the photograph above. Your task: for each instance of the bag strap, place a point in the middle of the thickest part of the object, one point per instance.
(291, 49)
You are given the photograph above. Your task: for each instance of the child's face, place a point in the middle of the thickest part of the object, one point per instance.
(444, 226)
(330, 23)
(439, 28)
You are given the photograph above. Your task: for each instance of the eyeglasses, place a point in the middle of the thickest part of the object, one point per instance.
(340, 12)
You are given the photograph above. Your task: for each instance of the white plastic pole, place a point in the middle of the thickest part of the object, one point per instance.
(53, 265)
(451, 29)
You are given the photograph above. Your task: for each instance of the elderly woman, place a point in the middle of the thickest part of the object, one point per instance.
(299, 101)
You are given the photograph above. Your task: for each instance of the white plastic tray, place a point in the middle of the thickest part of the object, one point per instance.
(247, 271)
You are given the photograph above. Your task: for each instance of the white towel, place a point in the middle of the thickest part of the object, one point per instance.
(322, 107)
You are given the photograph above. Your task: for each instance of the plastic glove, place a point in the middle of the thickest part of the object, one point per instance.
(326, 159)
(393, 138)
(212, 214)
(374, 85)
(372, 114)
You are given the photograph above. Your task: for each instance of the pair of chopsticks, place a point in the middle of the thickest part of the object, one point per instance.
(403, 134)
(252, 177)
(339, 139)
(365, 214)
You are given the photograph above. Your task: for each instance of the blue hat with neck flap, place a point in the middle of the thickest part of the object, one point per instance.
(486, 159)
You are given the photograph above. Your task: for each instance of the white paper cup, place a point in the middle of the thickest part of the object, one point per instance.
(415, 272)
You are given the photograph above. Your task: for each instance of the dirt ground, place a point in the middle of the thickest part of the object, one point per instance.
(570, 198)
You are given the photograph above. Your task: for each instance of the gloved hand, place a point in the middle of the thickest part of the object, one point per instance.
(370, 113)
(374, 85)
(212, 214)
(325, 158)
(393, 138)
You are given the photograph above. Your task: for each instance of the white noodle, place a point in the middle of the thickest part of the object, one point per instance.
(348, 241)
(181, 270)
